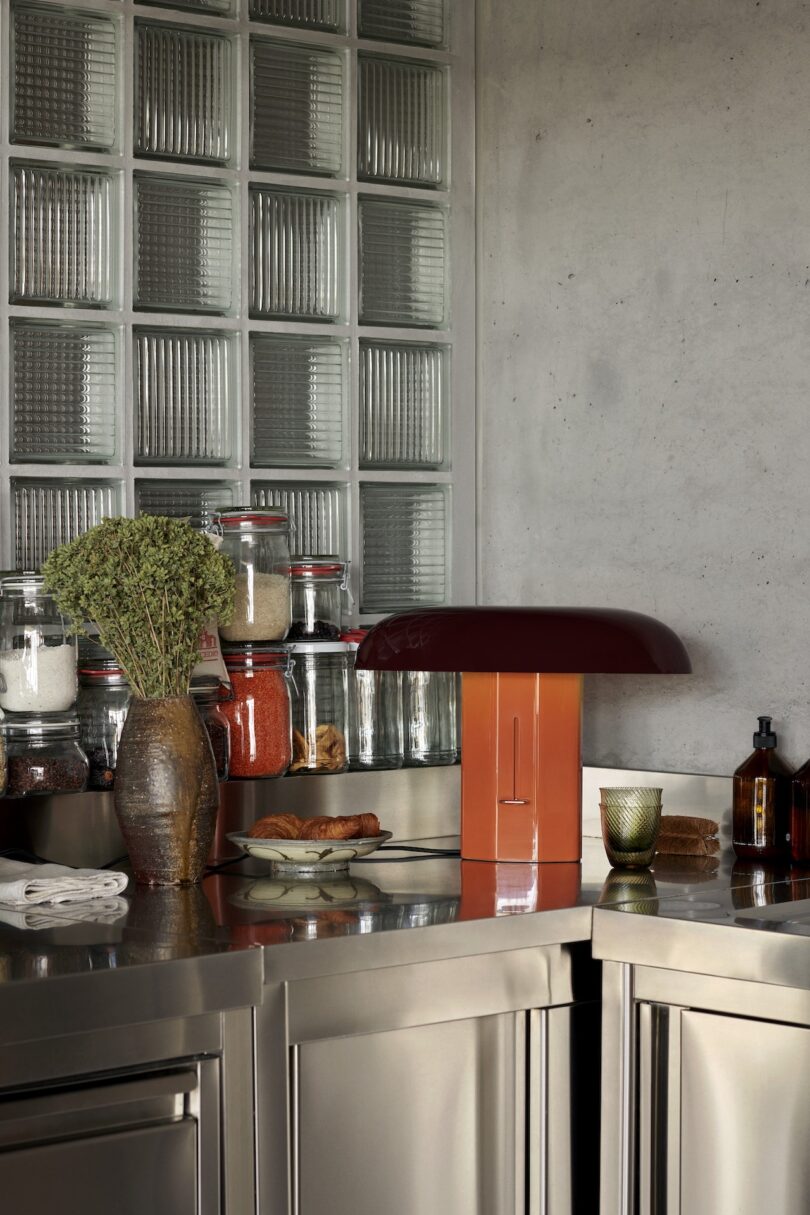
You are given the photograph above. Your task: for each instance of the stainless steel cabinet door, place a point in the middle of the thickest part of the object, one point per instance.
(153, 1169)
(745, 1117)
(419, 1121)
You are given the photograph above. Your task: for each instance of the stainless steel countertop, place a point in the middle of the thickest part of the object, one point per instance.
(178, 952)
(748, 924)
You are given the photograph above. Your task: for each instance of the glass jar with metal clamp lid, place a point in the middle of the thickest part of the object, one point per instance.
(317, 585)
(37, 652)
(103, 704)
(257, 542)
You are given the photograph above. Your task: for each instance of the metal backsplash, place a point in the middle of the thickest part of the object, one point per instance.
(415, 803)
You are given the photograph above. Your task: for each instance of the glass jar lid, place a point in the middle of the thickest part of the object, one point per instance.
(318, 647)
(202, 684)
(254, 654)
(26, 583)
(317, 567)
(41, 725)
(353, 637)
(103, 674)
(249, 518)
(208, 689)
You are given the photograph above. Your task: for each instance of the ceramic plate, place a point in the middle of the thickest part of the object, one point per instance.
(309, 854)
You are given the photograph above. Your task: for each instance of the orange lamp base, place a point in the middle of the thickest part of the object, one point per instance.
(520, 767)
(513, 888)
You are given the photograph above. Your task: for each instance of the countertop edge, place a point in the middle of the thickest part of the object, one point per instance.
(701, 948)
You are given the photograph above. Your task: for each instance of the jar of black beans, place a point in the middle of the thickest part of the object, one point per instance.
(43, 754)
(318, 585)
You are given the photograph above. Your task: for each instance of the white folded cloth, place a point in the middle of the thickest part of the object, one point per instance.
(95, 911)
(24, 885)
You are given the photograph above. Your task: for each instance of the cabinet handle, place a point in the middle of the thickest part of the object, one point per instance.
(97, 1096)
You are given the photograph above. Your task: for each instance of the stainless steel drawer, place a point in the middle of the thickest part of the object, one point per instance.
(149, 1169)
(94, 1107)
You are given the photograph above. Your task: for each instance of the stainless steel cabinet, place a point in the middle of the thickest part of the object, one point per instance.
(745, 1116)
(125, 1143)
(705, 1102)
(428, 1119)
(149, 1118)
(441, 1087)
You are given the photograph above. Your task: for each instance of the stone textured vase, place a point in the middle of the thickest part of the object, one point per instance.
(166, 792)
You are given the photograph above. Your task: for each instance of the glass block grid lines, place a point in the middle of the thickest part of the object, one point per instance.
(229, 242)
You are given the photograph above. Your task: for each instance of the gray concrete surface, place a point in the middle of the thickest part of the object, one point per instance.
(644, 358)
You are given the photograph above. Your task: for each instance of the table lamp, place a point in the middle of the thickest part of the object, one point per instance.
(521, 708)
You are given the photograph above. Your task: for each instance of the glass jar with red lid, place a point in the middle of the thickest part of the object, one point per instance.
(257, 542)
(317, 585)
(258, 712)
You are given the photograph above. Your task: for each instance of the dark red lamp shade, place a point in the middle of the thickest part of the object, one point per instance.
(540, 639)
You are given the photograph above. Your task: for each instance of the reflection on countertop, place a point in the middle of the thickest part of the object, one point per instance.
(244, 906)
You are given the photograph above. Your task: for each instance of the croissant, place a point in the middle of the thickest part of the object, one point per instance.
(369, 825)
(325, 828)
(277, 827)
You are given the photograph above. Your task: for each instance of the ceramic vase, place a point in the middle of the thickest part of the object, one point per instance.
(166, 792)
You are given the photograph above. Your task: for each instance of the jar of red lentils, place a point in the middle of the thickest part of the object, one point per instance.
(259, 711)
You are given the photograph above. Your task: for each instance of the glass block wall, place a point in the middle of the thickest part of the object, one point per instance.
(239, 268)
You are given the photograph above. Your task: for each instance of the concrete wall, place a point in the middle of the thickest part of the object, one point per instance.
(644, 304)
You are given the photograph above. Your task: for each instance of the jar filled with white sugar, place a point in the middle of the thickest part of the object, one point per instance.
(257, 541)
(37, 653)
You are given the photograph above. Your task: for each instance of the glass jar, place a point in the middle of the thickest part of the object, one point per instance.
(257, 542)
(317, 585)
(430, 713)
(320, 703)
(37, 656)
(205, 690)
(374, 734)
(102, 708)
(258, 713)
(43, 754)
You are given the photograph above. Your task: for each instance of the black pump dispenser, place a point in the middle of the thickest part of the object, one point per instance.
(761, 813)
(764, 737)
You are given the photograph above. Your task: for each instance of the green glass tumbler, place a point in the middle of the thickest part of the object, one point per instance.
(631, 819)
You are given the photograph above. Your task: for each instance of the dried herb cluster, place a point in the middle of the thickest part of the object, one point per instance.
(149, 585)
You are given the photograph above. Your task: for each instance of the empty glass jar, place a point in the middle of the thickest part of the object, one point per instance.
(44, 755)
(374, 734)
(317, 585)
(102, 707)
(37, 656)
(320, 703)
(206, 692)
(430, 711)
(257, 541)
(258, 711)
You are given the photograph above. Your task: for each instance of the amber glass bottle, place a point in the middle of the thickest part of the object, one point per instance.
(800, 816)
(761, 816)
